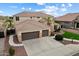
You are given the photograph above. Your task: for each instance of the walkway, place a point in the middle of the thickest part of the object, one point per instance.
(19, 49)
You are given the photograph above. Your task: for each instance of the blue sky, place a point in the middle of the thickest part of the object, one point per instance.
(56, 9)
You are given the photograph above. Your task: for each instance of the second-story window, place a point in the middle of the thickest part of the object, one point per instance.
(31, 17)
(17, 18)
(11, 17)
(38, 17)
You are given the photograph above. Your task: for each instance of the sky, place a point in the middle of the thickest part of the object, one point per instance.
(55, 9)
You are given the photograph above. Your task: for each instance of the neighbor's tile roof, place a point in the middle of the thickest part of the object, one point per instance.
(68, 17)
(30, 26)
(30, 14)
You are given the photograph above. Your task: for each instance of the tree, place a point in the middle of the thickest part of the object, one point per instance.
(49, 20)
(8, 24)
(52, 24)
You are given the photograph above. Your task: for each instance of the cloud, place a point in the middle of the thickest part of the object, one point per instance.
(69, 5)
(23, 8)
(30, 8)
(63, 9)
(53, 10)
(1, 11)
(27, 9)
(63, 5)
(56, 10)
(13, 6)
(40, 3)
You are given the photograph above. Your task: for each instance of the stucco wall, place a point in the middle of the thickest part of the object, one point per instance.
(67, 24)
(27, 18)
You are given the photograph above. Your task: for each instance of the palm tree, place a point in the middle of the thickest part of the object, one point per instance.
(51, 23)
(49, 20)
(8, 25)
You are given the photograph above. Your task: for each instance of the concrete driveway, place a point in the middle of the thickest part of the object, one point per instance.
(47, 46)
(1, 46)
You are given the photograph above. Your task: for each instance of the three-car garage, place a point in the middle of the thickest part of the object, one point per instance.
(35, 34)
(32, 30)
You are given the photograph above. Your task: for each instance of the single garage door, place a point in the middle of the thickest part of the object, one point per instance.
(45, 33)
(30, 35)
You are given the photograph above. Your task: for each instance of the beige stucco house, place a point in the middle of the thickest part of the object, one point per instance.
(28, 26)
(70, 20)
(30, 29)
(22, 16)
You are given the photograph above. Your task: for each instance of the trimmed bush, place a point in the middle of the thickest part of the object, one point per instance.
(10, 32)
(59, 37)
(11, 51)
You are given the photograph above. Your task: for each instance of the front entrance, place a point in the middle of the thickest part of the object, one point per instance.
(77, 26)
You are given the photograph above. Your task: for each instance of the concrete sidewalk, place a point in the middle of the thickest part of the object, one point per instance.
(47, 46)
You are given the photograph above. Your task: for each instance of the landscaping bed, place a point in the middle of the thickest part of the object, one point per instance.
(71, 35)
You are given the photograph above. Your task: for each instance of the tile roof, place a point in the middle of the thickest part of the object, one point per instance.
(30, 26)
(68, 17)
(30, 14)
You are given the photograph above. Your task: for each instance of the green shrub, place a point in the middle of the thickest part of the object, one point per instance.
(59, 37)
(11, 51)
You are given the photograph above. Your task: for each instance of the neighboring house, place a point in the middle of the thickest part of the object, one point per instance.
(30, 29)
(29, 16)
(70, 20)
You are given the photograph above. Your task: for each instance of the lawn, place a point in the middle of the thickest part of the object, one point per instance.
(71, 35)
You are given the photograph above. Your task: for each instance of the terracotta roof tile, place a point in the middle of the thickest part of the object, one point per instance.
(30, 14)
(68, 17)
(30, 26)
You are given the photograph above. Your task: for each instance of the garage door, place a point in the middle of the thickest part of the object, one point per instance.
(45, 33)
(30, 35)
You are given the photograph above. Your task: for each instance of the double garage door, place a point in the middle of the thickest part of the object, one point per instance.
(33, 35)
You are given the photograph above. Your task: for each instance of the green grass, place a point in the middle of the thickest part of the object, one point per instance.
(71, 35)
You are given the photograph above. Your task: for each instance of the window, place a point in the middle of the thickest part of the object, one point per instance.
(38, 17)
(17, 18)
(11, 17)
(31, 17)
